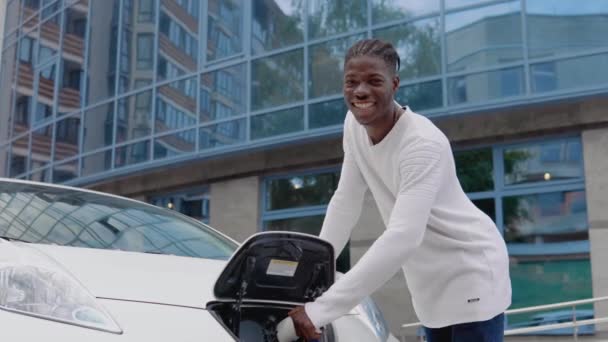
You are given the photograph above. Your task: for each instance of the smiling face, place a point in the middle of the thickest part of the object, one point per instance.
(369, 89)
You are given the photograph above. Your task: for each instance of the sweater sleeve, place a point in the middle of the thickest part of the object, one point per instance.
(345, 205)
(422, 168)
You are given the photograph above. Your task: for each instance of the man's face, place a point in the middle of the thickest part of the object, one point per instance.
(369, 88)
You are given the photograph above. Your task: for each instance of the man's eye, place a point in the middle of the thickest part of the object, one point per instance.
(349, 83)
(376, 82)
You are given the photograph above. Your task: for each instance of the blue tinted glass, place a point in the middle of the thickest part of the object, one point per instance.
(566, 26)
(386, 10)
(533, 221)
(484, 36)
(276, 24)
(132, 154)
(225, 28)
(223, 93)
(222, 134)
(486, 86)
(96, 163)
(332, 17)
(588, 71)
(134, 117)
(98, 127)
(419, 46)
(65, 171)
(328, 113)
(327, 66)
(175, 144)
(277, 123)
(549, 161)
(41, 146)
(45, 100)
(421, 96)
(277, 80)
(67, 137)
(177, 38)
(103, 49)
(176, 105)
(542, 280)
(19, 153)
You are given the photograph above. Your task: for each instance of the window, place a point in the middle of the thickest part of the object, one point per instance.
(535, 192)
(193, 203)
(298, 203)
(146, 11)
(145, 47)
(25, 50)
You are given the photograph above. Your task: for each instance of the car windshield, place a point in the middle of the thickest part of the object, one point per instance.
(69, 217)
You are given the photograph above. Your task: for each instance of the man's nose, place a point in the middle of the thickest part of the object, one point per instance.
(361, 90)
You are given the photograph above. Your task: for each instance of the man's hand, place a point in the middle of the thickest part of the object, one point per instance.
(303, 325)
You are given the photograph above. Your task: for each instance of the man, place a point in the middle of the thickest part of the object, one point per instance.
(454, 259)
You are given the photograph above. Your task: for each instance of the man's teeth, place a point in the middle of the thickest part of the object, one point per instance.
(364, 105)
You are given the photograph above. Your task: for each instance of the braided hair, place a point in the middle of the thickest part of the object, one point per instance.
(375, 48)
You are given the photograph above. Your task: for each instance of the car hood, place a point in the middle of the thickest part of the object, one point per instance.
(132, 276)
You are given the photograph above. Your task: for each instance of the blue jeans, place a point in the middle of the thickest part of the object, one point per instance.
(486, 331)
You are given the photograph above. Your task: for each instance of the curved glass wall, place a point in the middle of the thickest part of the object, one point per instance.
(91, 86)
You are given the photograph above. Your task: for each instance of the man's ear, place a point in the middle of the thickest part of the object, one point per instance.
(395, 82)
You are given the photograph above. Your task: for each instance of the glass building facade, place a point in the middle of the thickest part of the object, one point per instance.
(92, 89)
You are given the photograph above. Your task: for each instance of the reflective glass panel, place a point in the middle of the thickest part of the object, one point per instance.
(25, 81)
(475, 170)
(176, 105)
(42, 142)
(481, 87)
(588, 71)
(45, 102)
(18, 156)
(301, 190)
(487, 206)
(277, 80)
(177, 39)
(40, 175)
(223, 93)
(538, 219)
(419, 46)
(276, 23)
(71, 86)
(13, 12)
(327, 18)
(538, 281)
(224, 29)
(326, 67)
(7, 94)
(132, 154)
(328, 113)
(545, 162)
(146, 10)
(103, 50)
(277, 123)
(222, 134)
(4, 160)
(451, 4)
(194, 203)
(50, 32)
(421, 96)
(65, 171)
(73, 49)
(96, 163)
(98, 127)
(67, 137)
(484, 36)
(175, 144)
(134, 117)
(566, 26)
(386, 10)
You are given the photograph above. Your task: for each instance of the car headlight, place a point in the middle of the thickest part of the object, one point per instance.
(375, 318)
(33, 285)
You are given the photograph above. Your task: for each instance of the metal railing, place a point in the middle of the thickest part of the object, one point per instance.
(574, 323)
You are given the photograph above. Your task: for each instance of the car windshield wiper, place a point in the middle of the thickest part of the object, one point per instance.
(8, 238)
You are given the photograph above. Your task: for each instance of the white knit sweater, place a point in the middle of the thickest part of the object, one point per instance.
(454, 259)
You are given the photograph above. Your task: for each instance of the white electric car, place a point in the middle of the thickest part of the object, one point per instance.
(77, 265)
